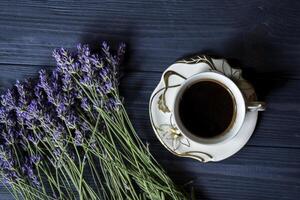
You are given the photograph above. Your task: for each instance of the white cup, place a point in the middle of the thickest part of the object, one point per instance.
(241, 106)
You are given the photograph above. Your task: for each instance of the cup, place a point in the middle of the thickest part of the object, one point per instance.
(240, 107)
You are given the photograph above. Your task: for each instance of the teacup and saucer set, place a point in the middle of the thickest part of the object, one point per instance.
(177, 128)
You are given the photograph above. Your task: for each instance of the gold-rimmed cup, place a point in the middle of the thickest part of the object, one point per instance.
(240, 107)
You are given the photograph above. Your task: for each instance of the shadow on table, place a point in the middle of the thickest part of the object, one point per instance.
(259, 58)
(255, 54)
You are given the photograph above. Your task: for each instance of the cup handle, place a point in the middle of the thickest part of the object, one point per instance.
(256, 106)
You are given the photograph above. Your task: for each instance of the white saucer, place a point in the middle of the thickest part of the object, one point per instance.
(163, 97)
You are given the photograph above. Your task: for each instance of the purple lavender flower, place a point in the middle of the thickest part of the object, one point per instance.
(85, 104)
(7, 100)
(69, 98)
(10, 176)
(39, 94)
(20, 133)
(83, 50)
(43, 79)
(34, 113)
(71, 120)
(83, 57)
(67, 82)
(87, 81)
(78, 138)
(58, 132)
(22, 115)
(46, 86)
(112, 104)
(9, 136)
(96, 61)
(3, 115)
(57, 54)
(55, 75)
(61, 110)
(112, 60)
(121, 52)
(47, 121)
(27, 169)
(55, 84)
(63, 59)
(56, 135)
(21, 91)
(105, 48)
(33, 110)
(34, 159)
(107, 87)
(57, 152)
(32, 138)
(7, 164)
(84, 126)
(6, 161)
(103, 73)
(79, 94)
(74, 68)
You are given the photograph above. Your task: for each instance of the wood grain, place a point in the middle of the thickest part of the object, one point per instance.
(277, 127)
(260, 36)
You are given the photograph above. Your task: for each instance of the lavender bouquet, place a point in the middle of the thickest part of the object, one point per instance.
(67, 135)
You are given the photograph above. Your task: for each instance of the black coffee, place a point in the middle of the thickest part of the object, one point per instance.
(206, 109)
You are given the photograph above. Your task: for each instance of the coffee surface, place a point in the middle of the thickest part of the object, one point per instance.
(206, 109)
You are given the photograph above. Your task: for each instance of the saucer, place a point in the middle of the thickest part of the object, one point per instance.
(163, 98)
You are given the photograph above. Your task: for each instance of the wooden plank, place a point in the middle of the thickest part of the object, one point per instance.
(226, 188)
(253, 173)
(271, 164)
(276, 127)
(262, 36)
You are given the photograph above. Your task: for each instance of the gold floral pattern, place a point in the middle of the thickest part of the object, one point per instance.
(199, 155)
(199, 59)
(162, 98)
(162, 106)
(171, 133)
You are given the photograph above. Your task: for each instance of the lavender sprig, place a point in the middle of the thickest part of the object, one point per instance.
(55, 129)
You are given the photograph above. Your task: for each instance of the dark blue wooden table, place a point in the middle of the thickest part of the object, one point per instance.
(261, 37)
